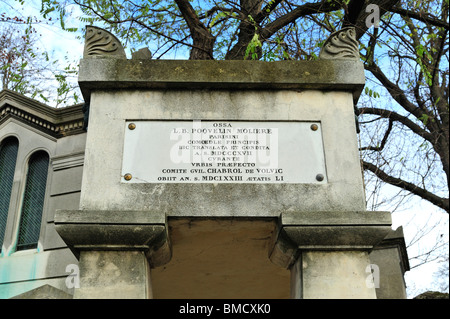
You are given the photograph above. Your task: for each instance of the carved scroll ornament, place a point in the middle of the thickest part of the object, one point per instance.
(99, 42)
(341, 44)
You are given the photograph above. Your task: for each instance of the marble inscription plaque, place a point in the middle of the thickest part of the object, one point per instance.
(223, 152)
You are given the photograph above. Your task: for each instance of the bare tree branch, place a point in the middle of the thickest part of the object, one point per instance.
(396, 92)
(423, 193)
(421, 16)
(383, 141)
(400, 118)
(300, 11)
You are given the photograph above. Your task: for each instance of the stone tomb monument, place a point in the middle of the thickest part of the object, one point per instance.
(222, 179)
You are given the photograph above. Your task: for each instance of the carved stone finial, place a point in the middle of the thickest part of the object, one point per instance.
(341, 44)
(141, 54)
(99, 42)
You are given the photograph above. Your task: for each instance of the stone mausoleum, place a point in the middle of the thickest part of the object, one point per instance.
(194, 179)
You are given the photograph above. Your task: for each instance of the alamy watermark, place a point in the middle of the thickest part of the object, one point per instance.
(373, 280)
(373, 19)
(73, 279)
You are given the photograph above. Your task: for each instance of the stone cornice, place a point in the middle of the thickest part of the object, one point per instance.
(57, 122)
(115, 74)
(396, 239)
(116, 230)
(105, 67)
(333, 230)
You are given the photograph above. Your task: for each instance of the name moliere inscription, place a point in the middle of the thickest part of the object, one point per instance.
(223, 152)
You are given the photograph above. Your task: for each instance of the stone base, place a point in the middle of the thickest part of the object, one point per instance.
(332, 231)
(336, 275)
(114, 275)
(115, 230)
(115, 249)
(328, 252)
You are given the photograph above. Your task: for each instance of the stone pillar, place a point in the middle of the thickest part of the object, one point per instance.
(126, 274)
(328, 252)
(390, 262)
(336, 275)
(115, 251)
(296, 289)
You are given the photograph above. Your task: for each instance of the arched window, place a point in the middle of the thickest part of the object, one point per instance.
(33, 201)
(8, 157)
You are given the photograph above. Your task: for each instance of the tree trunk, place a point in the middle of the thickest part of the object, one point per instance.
(202, 40)
(247, 29)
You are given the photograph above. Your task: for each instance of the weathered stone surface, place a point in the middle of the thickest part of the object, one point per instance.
(391, 261)
(341, 44)
(116, 249)
(113, 275)
(336, 275)
(343, 190)
(101, 74)
(44, 292)
(142, 54)
(101, 43)
(115, 230)
(332, 230)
